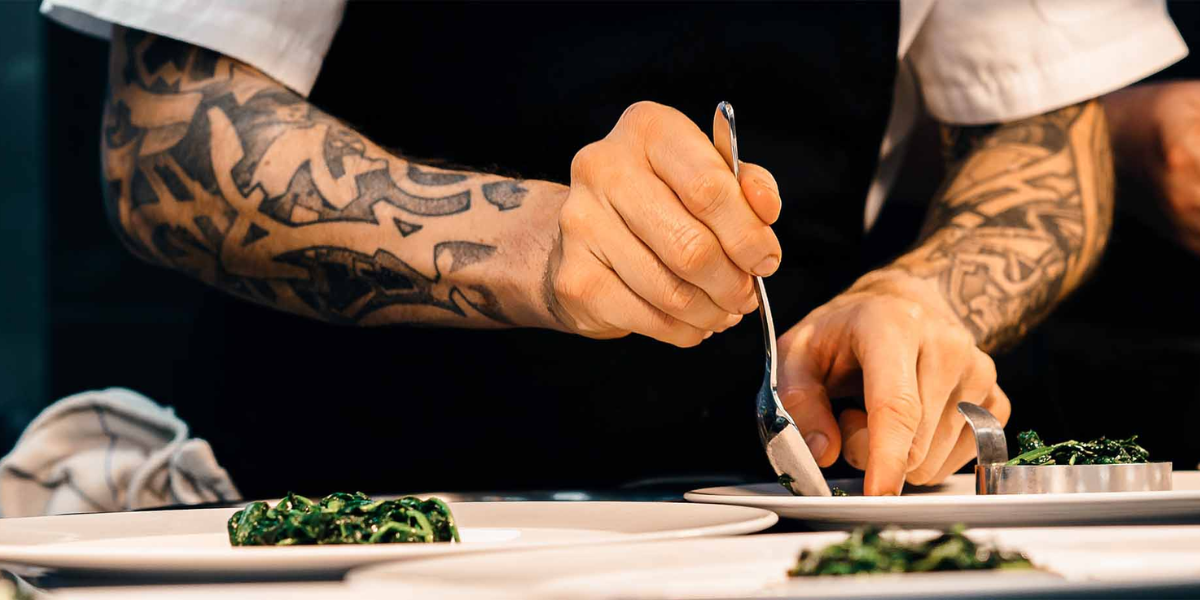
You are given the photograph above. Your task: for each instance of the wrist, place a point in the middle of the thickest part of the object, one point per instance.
(535, 256)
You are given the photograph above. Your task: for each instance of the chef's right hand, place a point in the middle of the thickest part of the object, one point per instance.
(657, 236)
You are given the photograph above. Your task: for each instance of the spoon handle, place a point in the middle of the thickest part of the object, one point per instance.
(725, 139)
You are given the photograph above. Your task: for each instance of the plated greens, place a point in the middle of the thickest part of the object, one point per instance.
(786, 481)
(1033, 452)
(342, 518)
(872, 549)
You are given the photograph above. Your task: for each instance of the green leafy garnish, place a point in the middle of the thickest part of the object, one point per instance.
(786, 481)
(869, 550)
(342, 518)
(1097, 452)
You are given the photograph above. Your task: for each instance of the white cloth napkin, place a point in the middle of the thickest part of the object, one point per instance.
(108, 450)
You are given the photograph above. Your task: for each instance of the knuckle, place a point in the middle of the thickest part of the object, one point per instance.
(985, 367)
(960, 337)
(642, 116)
(911, 312)
(673, 331)
(707, 192)
(693, 250)
(572, 218)
(922, 475)
(585, 162)
(1001, 409)
(746, 248)
(902, 410)
(681, 296)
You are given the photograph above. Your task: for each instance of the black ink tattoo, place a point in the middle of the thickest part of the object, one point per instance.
(1021, 220)
(505, 195)
(416, 175)
(406, 228)
(233, 179)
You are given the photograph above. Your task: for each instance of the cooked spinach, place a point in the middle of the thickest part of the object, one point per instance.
(1097, 452)
(871, 549)
(342, 518)
(786, 481)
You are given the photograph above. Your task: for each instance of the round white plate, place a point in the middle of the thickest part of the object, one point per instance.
(956, 502)
(194, 542)
(1089, 562)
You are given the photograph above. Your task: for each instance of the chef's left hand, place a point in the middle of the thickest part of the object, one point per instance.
(892, 339)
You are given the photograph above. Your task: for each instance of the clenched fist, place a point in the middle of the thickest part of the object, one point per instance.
(657, 236)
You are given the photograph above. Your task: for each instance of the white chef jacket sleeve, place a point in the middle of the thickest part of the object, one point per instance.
(987, 61)
(286, 39)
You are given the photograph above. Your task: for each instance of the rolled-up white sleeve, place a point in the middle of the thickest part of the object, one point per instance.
(286, 39)
(986, 61)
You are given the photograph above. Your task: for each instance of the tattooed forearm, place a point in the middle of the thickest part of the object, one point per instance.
(1021, 220)
(216, 170)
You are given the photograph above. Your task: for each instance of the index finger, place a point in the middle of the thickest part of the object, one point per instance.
(893, 402)
(685, 159)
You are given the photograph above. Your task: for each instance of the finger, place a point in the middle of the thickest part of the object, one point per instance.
(940, 367)
(856, 446)
(628, 311)
(803, 394)
(974, 387)
(603, 306)
(685, 245)
(761, 191)
(964, 449)
(685, 159)
(649, 278)
(893, 402)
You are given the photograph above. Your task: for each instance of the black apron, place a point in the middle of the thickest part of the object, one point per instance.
(295, 404)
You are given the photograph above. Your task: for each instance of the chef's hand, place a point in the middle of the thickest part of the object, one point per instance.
(1155, 130)
(888, 339)
(658, 238)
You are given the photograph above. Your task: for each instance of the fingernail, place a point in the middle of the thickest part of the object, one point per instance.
(767, 266)
(817, 443)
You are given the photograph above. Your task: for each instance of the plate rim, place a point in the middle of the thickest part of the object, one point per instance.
(708, 496)
(99, 558)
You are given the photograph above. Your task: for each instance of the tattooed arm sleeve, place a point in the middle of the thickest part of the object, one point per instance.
(216, 170)
(1020, 221)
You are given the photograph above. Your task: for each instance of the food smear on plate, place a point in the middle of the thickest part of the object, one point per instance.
(1033, 452)
(873, 549)
(342, 518)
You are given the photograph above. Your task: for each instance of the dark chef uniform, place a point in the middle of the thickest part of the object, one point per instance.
(290, 403)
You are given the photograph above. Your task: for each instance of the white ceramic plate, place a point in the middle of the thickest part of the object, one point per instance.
(1085, 562)
(956, 502)
(194, 542)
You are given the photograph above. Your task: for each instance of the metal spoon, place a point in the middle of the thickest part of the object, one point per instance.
(785, 447)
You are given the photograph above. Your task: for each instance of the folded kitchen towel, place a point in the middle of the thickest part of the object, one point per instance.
(108, 450)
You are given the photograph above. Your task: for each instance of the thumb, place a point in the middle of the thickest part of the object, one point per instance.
(804, 396)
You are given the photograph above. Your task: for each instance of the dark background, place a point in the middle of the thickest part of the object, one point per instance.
(78, 312)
